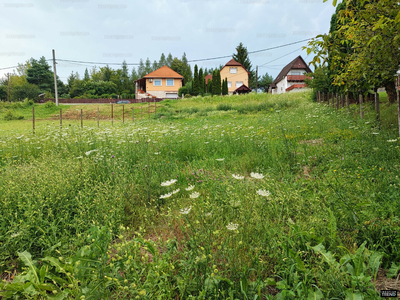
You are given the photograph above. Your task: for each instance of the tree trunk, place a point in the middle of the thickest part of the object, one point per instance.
(391, 91)
(377, 106)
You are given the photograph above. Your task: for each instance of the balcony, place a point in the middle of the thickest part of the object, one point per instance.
(297, 78)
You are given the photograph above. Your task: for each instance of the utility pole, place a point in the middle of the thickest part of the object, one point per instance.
(256, 79)
(55, 77)
(8, 87)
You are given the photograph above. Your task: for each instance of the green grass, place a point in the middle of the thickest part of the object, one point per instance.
(93, 201)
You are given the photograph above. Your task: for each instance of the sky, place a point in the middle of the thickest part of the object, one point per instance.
(104, 31)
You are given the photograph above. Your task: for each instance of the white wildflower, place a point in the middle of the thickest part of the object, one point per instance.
(237, 176)
(220, 159)
(176, 191)
(256, 175)
(208, 214)
(194, 195)
(90, 151)
(79, 157)
(232, 226)
(234, 203)
(190, 187)
(392, 141)
(185, 211)
(166, 196)
(263, 193)
(14, 235)
(168, 182)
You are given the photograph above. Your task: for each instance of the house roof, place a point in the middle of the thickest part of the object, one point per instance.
(234, 63)
(163, 72)
(297, 63)
(208, 77)
(242, 89)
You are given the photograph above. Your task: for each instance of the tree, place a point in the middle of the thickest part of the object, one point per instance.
(169, 60)
(201, 82)
(196, 84)
(106, 73)
(216, 89)
(40, 74)
(265, 81)
(242, 56)
(154, 66)
(86, 77)
(24, 91)
(147, 67)
(162, 62)
(225, 86)
(124, 79)
(187, 70)
(178, 66)
(3, 92)
(210, 86)
(141, 69)
(372, 30)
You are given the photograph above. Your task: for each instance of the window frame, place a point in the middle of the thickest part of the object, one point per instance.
(233, 68)
(238, 86)
(166, 82)
(156, 80)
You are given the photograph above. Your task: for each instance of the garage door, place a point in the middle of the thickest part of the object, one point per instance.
(171, 95)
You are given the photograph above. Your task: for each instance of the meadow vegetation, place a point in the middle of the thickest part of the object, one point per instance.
(242, 197)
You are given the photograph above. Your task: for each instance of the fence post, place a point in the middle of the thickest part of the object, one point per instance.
(112, 115)
(98, 117)
(361, 107)
(81, 118)
(33, 119)
(123, 114)
(60, 118)
(377, 106)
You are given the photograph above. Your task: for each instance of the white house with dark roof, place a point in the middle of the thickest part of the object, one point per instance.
(291, 78)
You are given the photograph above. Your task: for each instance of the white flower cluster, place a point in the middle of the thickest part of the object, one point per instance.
(166, 196)
(220, 159)
(256, 175)
(169, 182)
(263, 193)
(194, 195)
(232, 226)
(185, 211)
(237, 176)
(190, 187)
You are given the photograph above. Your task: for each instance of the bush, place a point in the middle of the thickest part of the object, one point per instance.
(9, 115)
(183, 90)
(49, 104)
(188, 96)
(224, 106)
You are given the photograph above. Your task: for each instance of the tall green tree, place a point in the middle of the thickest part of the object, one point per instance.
(242, 56)
(40, 74)
(86, 77)
(196, 84)
(106, 73)
(124, 78)
(147, 67)
(265, 81)
(162, 62)
(201, 82)
(141, 69)
(216, 89)
(169, 60)
(154, 66)
(187, 70)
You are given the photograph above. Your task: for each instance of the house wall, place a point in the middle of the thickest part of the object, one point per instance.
(296, 71)
(281, 86)
(163, 88)
(241, 75)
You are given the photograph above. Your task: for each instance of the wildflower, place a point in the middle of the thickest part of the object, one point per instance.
(90, 151)
(142, 293)
(234, 203)
(185, 211)
(176, 191)
(189, 188)
(220, 159)
(168, 182)
(237, 176)
(392, 141)
(166, 196)
(232, 226)
(194, 195)
(263, 193)
(256, 175)
(14, 235)
(79, 157)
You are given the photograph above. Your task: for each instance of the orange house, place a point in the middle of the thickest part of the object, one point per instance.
(161, 83)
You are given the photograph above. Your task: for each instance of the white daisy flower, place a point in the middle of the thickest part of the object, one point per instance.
(166, 196)
(220, 159)
(263, 193)
(190, 187)
(168, 182)
(256, 175)
(232, 226)
(237, 176)
(194, 195)
(185, 211)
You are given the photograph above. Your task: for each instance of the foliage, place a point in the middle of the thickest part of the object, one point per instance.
(242, 56)
(183, 90)
(265, 81)
(196, 82)
(39, 73)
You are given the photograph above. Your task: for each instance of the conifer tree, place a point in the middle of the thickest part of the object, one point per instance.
(201, 81)
(196, 81)
(162, 62)
(216, 83)
(86, 76)
(210, 86)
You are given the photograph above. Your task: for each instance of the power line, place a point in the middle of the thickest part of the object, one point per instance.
(280, 57)
(94, 63)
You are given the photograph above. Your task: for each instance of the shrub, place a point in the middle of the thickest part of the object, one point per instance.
(188, 96)
(9, 115)
(183, 90)
(224, 106)
(49, 104)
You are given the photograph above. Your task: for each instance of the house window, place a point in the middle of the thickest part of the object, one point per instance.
(229, 84)
(239, 83)
(157, 82)
(296, 73)
(170, 82)
(233, 70)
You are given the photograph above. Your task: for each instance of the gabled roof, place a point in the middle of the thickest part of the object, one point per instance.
(297, 63)
(242, 89)
(163, 72)
(234, 63)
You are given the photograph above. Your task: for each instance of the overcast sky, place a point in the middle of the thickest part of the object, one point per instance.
(109, 32)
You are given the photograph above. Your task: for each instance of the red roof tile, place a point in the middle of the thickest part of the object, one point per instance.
(163, 72)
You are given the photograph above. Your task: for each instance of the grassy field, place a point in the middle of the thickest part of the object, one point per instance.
(244, 197)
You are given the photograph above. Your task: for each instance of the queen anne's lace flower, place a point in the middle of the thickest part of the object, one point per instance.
(263, 193)
(185, 211)
(232, 226)
(256, 175)
(237, 176)
(220, 159)
(169, 182)
(190, 187)
(166, 196)
(176, 191)
(194, 195)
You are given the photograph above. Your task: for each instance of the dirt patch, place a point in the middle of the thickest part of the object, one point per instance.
(384, 283)
(312, 142)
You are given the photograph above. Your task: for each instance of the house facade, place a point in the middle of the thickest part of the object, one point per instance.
(161, 83)
(291, 78)
(237, 76)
